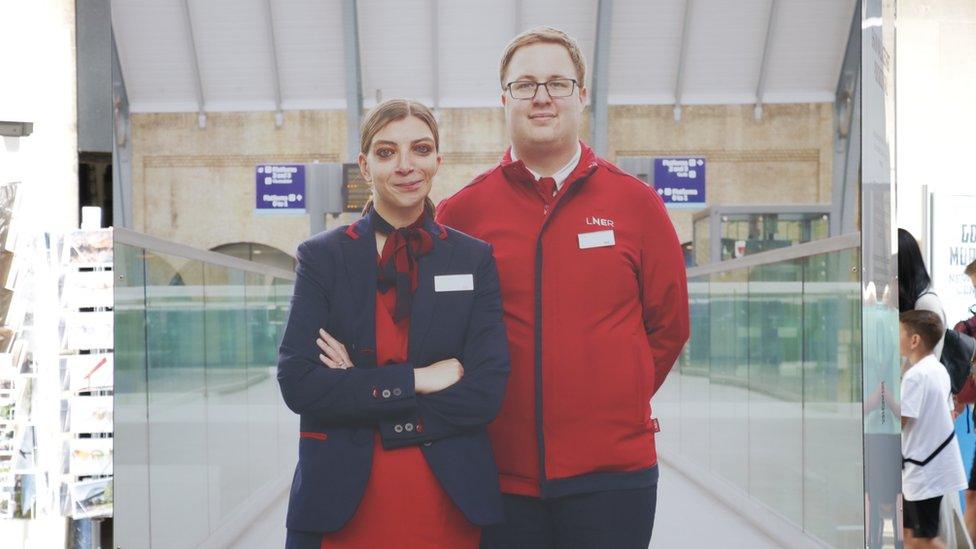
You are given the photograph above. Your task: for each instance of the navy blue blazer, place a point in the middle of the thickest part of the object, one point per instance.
(335, 289)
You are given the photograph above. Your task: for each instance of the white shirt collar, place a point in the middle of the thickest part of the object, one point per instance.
(561, 175)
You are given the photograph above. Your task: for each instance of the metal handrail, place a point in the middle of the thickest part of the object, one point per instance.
(799, 251)
(807, 249)
(155, 244)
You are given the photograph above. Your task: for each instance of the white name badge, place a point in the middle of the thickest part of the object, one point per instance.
(454, 283)
(596, 239)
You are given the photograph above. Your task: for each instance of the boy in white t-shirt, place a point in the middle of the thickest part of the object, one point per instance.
(932, 462)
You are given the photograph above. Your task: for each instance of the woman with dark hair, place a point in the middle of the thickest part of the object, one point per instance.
(914, 283)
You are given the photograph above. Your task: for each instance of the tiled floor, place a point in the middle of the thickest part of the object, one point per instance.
(268, 532)
(686, 517)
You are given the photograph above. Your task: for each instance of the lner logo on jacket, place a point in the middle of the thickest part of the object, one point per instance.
(596, 310)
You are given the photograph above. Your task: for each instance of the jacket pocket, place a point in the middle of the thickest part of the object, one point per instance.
(313, 435)
(643, 378)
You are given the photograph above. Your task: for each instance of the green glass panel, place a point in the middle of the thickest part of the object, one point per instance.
(176, 336)
(130, 444)
(263, 397)
(226, 377)
(728, 403)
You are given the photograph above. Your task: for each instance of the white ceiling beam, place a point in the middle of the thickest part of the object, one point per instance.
(600, 83)
(194, 63)
(435, 58)
(682, 53)
(764, 64)
(275, 77)
(517, 19)
(354, 78)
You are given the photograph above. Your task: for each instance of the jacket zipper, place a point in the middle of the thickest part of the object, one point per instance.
(548, 213)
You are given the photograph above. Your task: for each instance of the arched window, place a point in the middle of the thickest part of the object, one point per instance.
(258, 253)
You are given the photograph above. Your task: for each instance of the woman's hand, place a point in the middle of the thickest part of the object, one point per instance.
(335, 355)
(438, 376)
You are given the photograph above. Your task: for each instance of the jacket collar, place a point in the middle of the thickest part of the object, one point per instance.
(359, 254)
(516, 172)
(364, 227)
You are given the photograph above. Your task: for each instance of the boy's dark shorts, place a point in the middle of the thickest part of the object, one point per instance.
(922, 517)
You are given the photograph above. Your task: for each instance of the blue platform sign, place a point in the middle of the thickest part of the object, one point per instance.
(680, 181)
(280, 188)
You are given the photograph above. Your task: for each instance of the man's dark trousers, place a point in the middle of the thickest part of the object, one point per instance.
(622, 519)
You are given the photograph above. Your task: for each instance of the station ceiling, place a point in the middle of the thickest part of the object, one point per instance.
(269, 55)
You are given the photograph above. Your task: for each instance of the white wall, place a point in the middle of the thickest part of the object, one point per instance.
(936, 138)
(37, 84)
(936, 110)
(37, 64)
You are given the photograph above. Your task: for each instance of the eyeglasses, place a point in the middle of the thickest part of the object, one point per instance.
(527, 89)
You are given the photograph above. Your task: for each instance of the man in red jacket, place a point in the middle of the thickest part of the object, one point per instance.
(596, 310)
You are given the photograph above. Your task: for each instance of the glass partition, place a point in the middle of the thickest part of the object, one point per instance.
(177, 400)
(767, 395)
(201, 431)
(263, 398)
(225, 324)
(131, 459)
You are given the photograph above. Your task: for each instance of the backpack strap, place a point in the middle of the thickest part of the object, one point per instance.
(926, 461)
(926, 292)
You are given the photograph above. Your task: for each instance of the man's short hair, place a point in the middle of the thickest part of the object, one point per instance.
(971, 269)
(548, 35)
(926, 324)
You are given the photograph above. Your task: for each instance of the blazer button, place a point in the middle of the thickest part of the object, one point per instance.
(397, 392)
(408, 427)
(420, 427)
(376, 392)
(398, 428)
(386, 393)
(427, 443)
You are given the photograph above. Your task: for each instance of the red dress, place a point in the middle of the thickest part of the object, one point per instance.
(404, 504)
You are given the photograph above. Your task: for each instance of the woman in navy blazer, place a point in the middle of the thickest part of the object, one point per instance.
(395, 357)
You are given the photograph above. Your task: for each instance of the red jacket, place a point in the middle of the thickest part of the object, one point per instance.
(592, 331)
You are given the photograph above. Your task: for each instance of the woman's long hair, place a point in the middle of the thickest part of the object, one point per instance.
(913, 277)
(392, 110)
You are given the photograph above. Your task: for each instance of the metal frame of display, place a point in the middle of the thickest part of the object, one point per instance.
(715, 213)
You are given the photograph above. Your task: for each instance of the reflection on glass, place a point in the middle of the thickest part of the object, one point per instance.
(131, 510)
(226, 373)
(768, 392)
(879, 268)
(775, 386)
(832, 475)
(196, 350)
(178, 475)
(287, 421)
(727, 343)
(262, 387)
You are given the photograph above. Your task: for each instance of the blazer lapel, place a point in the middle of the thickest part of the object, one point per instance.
(359, 255)
(422, 310)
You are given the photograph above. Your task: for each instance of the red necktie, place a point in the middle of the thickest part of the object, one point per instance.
(547, 186)
(399, 261)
